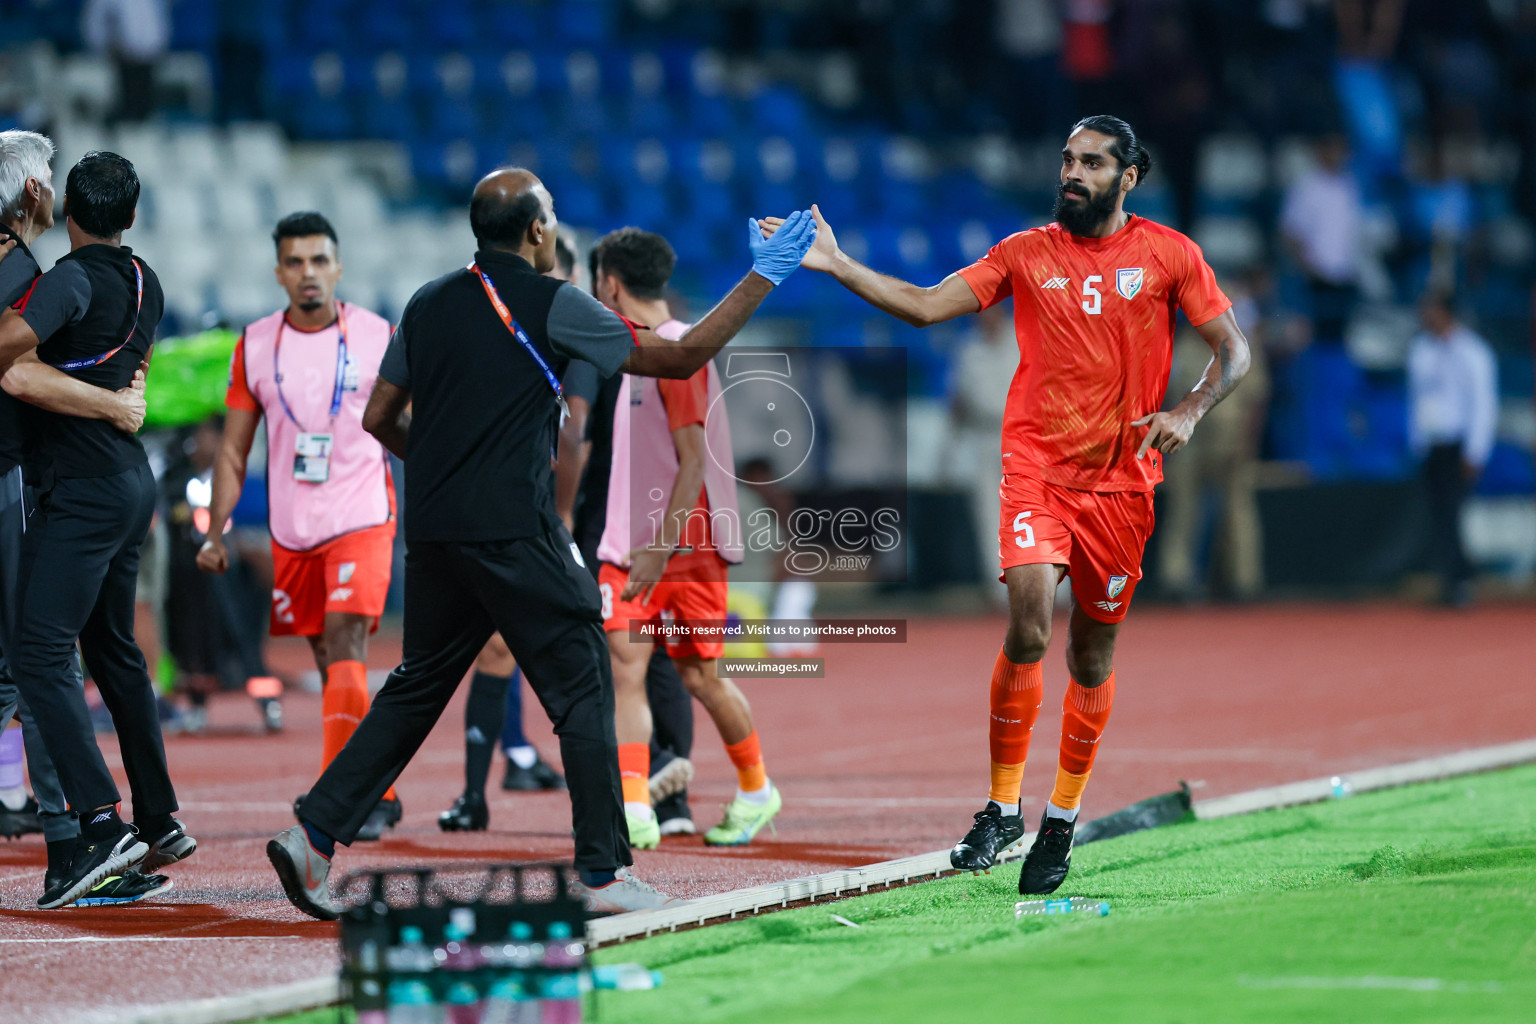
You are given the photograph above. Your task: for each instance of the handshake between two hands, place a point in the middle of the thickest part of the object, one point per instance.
(780, 244)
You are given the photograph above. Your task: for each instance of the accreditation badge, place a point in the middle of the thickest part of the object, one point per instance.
(312, 458)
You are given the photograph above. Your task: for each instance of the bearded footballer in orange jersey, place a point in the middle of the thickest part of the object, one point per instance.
(1095, 297)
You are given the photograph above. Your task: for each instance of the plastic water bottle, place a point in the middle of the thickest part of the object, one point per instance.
(1070, 905)
(561, 986)
(410, 996)
(368, 997)
(625, 977)
(510, 1002)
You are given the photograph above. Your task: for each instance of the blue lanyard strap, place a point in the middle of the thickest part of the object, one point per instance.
(337, 389)
(80, 364)
(520, 334)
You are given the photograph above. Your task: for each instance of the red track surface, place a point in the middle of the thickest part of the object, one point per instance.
(886, 756)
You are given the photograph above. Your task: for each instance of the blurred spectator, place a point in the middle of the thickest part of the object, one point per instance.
(214, 625)
(135, 33)
(1166, 70)
(1028, 34)
(983, 371)
(1453, 408)
(1368, 35)
(1321, 223)
(1221, 458)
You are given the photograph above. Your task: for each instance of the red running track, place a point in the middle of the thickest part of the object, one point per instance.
(886, 756)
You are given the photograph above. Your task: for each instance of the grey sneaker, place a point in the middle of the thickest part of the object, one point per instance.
(672, 777)
(304, 873)
(174, 846)
(624, 893)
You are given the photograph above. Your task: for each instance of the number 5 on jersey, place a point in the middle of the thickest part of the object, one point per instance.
(1026, 532)
(1093, 302)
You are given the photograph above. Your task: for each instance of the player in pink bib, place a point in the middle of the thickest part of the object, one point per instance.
(308, 371)
(672, 532)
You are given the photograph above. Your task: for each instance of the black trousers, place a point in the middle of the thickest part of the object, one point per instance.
(1445, 484)
(546, 607)
(81, 569)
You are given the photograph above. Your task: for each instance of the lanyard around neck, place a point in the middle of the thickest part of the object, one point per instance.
(80, 364)
(338, 388)
(520, 334)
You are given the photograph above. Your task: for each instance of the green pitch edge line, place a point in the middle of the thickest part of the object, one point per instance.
(834, 884)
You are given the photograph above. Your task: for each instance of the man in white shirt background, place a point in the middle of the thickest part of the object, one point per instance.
(1321, 223)
(1453, 410)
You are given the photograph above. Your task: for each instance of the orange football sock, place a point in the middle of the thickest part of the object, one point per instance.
(1015, 704)
(1084, 714)
(635, 772)
(343, 703)
(747, 756)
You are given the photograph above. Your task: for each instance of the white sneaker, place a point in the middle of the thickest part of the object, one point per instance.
(678, 827)
(304, 873)
(624, 893)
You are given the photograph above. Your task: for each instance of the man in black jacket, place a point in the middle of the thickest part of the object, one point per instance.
(469, 395)
(93, 317)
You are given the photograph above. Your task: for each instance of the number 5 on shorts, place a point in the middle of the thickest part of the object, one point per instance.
(1020, 526)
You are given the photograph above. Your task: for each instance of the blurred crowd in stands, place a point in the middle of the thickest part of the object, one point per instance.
(1362, 173)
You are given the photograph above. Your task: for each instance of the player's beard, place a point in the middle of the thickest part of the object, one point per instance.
(1084, 215)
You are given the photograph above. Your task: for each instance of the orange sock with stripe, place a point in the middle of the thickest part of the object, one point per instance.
(635, 773)
(1084, 714)
(751, 774)
(343, 703)
(1015, 705)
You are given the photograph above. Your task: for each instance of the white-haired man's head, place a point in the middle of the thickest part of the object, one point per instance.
(26, 182)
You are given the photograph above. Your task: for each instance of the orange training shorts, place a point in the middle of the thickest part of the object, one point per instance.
(348, 575)
(697, 592)
(1098, 535)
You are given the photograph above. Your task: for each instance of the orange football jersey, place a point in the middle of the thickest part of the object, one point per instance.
(1094, 319)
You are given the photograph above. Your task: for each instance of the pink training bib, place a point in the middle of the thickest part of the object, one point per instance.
(299, 378)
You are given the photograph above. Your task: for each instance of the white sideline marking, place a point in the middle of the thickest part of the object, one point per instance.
(265, 1002)
(1311, 791)
(1370, 981)
(324, 991)
(153, 938)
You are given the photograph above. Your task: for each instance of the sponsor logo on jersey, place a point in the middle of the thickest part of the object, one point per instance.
(1128, 281)
(1116, 584)
(1107, 606)
(576, 554)
(1059, 283)
(341, 594)
(344, 572)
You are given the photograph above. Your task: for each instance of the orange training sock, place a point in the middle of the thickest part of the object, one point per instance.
(747, 756)
(1015, 704)
(635, 772)
(1084, 714)
(343, 703)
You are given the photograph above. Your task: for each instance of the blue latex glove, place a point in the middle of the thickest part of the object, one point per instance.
(777, 257)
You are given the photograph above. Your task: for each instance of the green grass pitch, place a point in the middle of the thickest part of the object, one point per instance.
(1416, 904)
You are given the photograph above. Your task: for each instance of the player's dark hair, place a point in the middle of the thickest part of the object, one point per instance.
(102, 191)
(504, 222)
(1126, 148)
(565, 256)
(643, 260)
(303, 224)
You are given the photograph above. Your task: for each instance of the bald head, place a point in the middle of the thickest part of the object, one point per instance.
(512, 210)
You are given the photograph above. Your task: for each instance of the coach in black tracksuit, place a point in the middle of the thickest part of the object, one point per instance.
(94, 317)
(472, 408)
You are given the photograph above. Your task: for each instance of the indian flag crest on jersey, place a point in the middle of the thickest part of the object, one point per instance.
(1128, 281)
